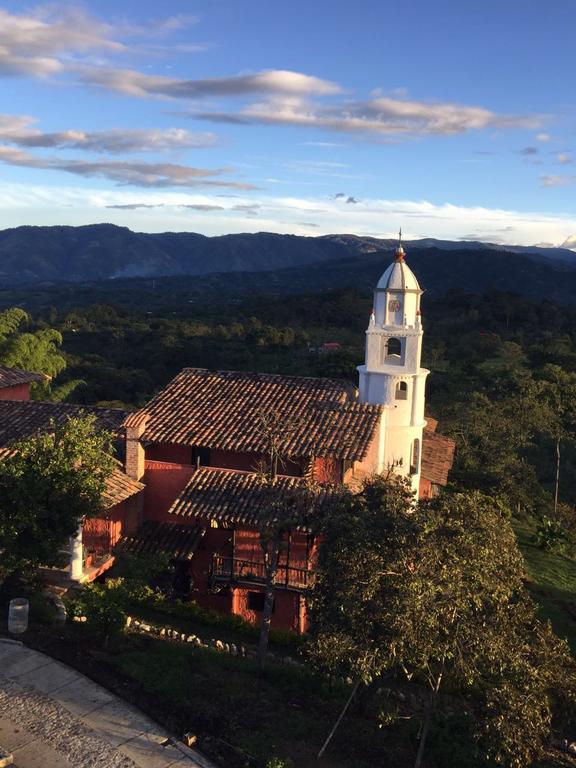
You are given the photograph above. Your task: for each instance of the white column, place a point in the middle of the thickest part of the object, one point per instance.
(76, 556)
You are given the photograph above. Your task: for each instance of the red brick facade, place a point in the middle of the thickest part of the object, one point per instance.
(15, 392)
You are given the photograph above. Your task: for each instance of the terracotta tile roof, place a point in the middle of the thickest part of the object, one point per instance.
(120, 487)
(229, 496)
(10, 377)
(23, 418)
(179, 541)
(431, 424)
(220, 410)
(437, 457)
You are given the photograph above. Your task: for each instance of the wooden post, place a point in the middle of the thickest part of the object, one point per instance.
(337, 723)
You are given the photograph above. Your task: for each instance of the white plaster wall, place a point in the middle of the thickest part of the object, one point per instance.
(404, 316)
(398, 447)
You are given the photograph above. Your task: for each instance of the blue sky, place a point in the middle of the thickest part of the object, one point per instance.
(450, 119)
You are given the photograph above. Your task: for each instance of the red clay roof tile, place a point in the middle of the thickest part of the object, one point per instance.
(437, 457)
(220, 409)
(23, 418)
(230, 496)
(179, 541)
(10, 377)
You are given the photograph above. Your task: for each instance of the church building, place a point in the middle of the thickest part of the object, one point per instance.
(190, 479)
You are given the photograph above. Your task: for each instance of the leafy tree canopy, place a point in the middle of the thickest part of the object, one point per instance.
(431, 595)
(47, 486)
(37, 351)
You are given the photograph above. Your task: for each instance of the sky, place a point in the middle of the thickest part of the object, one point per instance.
(450, 119)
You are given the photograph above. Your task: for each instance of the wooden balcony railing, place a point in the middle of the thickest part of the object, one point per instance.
(253, 572)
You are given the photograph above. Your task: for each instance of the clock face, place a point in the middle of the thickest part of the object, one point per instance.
(394, 305)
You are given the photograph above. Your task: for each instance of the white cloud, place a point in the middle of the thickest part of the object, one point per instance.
(384, 117)
(133, 83)
(138, 174)
(38, 43)
(192, 206)
(19, 131)
(551, 180)
(543, 137)
(55, 38)
(159, 210)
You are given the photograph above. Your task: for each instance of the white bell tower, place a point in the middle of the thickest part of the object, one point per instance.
(391, 375)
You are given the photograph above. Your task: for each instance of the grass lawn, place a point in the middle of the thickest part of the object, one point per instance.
(287, 713)
(242, 720)
(552, 582)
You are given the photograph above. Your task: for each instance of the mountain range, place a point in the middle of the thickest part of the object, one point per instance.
(57, 254)
(47, 256)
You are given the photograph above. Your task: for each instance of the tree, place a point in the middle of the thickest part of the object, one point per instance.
(106, 606)
(48, 485)
(37, 351)
(283, 508)
(431, 595)
(494, 431)
(559, 395)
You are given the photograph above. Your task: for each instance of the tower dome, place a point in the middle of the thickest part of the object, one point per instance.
(398, 276)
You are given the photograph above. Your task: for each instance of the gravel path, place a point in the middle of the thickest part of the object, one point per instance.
(55, 726)
(51, 716)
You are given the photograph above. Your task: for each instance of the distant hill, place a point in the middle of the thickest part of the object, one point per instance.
(469, 270)
(52, 255)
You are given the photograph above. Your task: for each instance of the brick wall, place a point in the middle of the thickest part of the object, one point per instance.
(328, 470)
(17, 392)
(245, 462)
(177, 454)
(134, 458)
(289, 611)
(425, 491)
(164, 481)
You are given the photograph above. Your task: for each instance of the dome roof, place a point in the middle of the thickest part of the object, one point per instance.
(398, 276)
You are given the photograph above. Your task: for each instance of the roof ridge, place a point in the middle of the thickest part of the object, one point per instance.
(32, 403)
(265, 375)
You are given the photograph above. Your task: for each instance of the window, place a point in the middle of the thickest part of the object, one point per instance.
(402, 390)
(200, 456)
(415, 457)
(393, 348)
(256, 601)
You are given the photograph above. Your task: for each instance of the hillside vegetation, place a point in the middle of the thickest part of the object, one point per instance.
(268, 262)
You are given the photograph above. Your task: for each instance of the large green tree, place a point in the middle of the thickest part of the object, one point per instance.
(558, 401)
(431, 595)
(33, 350)
(48, 485)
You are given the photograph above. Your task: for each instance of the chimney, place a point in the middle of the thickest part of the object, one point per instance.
(135, 425)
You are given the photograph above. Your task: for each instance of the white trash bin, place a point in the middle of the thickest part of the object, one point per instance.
(18, 615)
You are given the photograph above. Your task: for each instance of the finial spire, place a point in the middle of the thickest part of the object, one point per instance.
(400, 250)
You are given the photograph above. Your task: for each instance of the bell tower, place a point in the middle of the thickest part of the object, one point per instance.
(391, 375)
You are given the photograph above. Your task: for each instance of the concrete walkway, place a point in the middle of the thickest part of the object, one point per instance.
(53, 717)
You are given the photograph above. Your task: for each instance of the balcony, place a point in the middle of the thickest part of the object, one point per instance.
(233, 569)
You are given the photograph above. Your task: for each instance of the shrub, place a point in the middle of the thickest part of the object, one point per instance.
(105, 607)
(278, 762)
(550, 535)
